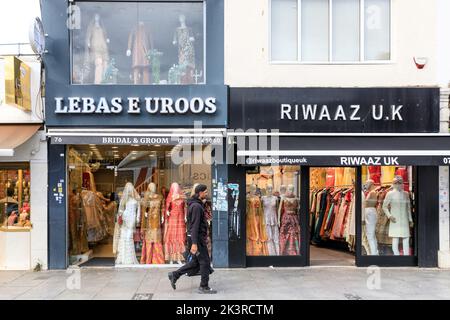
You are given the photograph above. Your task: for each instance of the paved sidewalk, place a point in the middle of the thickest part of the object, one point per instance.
(343, 283)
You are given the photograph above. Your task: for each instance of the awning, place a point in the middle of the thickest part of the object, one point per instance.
(13, 135)
(355, 150)
(136, 136)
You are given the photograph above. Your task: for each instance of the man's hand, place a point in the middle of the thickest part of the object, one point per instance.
(194, 249)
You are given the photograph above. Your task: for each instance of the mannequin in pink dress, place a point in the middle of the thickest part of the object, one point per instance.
(175, 235)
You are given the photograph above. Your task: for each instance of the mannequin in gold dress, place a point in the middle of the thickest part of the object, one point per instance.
(152, 209)
(256, 230)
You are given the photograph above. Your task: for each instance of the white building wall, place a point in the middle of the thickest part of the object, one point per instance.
(247, 51)
(35, 152)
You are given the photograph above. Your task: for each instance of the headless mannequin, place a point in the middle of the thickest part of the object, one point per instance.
(289, 193)
(139, 45)
(270, 207)
(186, 53)
(96, 44)
(176, 197)
(370, 216)
(397, 208)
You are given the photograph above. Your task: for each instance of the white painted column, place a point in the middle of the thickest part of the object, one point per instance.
(444, 217)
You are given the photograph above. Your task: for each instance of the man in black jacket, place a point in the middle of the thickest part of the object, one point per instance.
(196, 242)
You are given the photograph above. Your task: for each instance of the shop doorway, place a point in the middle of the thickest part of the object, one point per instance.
(100, 176)
(332, 215)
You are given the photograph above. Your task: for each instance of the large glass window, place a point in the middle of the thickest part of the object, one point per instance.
(138, 43)
(128, 204)
(330, 30)
(273, 211)
(15, 186)
(388, 211)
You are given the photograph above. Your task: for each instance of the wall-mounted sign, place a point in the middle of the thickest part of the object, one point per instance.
(332, 110)
(17, 83)
(37, 36)
(136, 106)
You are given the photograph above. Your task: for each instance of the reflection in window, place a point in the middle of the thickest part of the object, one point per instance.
(139, 43)
(388, 211)
(272, 212)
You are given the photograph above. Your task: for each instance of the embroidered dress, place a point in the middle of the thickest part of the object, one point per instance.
(130, 217)
(186, 53)
(256, 232)
(152, 250)
(175, 237)
(290, 227)
(271, 221)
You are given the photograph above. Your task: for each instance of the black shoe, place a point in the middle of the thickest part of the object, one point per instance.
(173, 280)
(206, 290)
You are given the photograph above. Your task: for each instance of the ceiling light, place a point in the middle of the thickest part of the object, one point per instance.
(115, 147)
(135, 145)
(157, 145)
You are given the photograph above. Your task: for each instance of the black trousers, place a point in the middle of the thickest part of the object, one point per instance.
(201, 262)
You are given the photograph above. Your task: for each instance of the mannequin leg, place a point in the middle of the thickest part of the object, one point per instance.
(136, 75)
(406, 246)
(146, 76)
(99, 71)
(395, 242)
(371, 224)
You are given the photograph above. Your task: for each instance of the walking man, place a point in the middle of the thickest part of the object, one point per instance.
(196, 242)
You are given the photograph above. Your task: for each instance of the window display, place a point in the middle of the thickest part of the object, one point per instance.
(332, 207)
(139, 43)
(272, 211)
(388, 211)
(15, 187)
(119, 208)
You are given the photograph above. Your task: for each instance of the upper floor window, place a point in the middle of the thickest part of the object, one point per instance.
(142, 43)
(330, 31)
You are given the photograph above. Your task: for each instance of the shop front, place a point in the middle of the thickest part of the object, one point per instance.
(336, 176)
(134, 123)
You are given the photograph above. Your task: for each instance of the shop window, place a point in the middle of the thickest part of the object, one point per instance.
(388, 211)
(145, 43)
(330, 30)
(332, 213)
(149, 229)
(15, 184)
(273, 211)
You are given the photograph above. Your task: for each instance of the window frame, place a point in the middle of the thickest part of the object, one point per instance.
(204, 46)
(361, 61)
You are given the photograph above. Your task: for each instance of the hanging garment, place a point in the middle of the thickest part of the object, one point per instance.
(109, 213)
(330, 177)
(270, 207)
(152, 209)
(125, 247)
(349, 177)
(175, 236)
(339, 176)
(184, 37)
(290, 227)
(78, 242)
(95, 227)
(256, 230)
(403, 172)
(320, 216)
(387, 174)
(139, 42)
(375, 174)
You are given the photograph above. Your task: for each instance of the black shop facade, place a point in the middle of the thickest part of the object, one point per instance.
(335, 176)
(137, 115)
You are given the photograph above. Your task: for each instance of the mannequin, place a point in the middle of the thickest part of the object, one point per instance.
(289, 224)
(397, 208)
(175, 235)
(370, 216)
(129, 217)
(270, 206)
(139, 45)
(184, 38)
(256, 231)
(97, 48)
(152, 210)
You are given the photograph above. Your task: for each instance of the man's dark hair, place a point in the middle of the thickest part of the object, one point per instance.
(198, 189)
